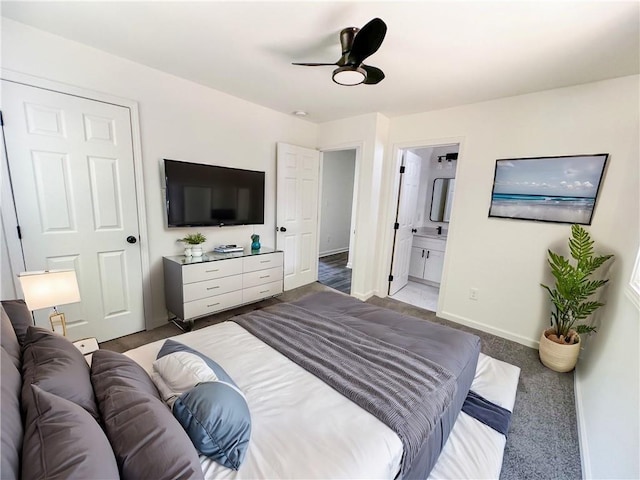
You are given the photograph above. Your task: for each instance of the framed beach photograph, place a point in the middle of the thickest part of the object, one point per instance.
(561, 189)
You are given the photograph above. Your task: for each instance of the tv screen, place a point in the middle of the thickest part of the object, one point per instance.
(199, 195)
(559, 189)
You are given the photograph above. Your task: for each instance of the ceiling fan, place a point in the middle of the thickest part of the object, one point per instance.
(357, 45)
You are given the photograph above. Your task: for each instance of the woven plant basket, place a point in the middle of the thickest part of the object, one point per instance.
(557, 357)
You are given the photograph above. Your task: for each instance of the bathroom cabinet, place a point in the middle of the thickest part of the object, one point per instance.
(427, 259)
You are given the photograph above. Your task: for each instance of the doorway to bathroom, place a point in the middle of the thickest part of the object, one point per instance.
(424, 209)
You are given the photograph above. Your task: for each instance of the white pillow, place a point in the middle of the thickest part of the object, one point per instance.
(179, 372)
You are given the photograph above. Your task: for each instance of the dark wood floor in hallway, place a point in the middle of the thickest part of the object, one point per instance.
(333, 272)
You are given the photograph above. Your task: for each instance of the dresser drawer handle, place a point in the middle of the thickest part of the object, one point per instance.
(265, 261)
(213, 305)
(264, 291)
(213, 288)
(211, 271)
(265, 276)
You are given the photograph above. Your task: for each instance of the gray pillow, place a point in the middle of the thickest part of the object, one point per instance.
(112, 369)
(147, 440)
(217, 420)
(11, 421)
(20, 317)
(8, 339)
(63, 441)
(54, 364)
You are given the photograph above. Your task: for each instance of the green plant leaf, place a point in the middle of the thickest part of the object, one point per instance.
(573, 287)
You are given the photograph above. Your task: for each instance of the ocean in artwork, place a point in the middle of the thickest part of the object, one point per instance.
(548, 208)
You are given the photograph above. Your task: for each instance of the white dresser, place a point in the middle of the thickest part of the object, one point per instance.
(198, 286)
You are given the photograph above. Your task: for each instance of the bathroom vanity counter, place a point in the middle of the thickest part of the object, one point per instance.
(430, 232)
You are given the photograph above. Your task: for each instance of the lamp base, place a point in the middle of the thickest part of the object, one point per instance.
(58, 323)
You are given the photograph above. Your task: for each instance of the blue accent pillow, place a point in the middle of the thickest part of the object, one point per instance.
(171, 346)
(217, 419)
(214, 414)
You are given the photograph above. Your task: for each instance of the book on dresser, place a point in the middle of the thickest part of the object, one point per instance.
(220, 281)
(228, 249)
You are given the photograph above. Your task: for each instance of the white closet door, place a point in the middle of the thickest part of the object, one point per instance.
(71, 167)
(298, 171)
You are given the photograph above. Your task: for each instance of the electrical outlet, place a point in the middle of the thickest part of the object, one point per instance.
(473, 293)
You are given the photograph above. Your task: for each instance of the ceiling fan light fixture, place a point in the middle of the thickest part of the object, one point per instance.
(349, 76)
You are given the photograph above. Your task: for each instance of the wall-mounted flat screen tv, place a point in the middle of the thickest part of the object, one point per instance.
(561, 189)
(199, 195)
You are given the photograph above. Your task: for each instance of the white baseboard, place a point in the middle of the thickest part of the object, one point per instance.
(333, 252)
(363, 296)
(492, 330)
(582, 434)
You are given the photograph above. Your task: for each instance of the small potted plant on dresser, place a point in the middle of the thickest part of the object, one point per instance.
(193, 243)
(572, 301)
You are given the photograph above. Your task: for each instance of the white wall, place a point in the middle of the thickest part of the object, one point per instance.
(506, 259)
(368, 134)
(338, 169)
(178, 119)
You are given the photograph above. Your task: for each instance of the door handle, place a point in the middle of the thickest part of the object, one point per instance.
(422, 253)
(282, 229)
(427, 253)
(131, 239)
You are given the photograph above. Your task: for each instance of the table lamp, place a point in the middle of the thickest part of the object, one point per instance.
(50, 288)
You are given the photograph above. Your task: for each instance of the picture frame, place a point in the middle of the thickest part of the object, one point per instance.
(558, 189)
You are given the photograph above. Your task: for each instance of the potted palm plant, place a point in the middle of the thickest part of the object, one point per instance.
(193, 242)
(572, 299)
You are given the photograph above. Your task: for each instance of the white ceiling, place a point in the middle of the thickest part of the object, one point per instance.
(435, 55)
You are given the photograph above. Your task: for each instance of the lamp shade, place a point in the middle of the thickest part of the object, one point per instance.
(49, 288)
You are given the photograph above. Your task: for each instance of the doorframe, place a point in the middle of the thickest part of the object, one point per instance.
(358, 147)
(15, 248)
(391, 206)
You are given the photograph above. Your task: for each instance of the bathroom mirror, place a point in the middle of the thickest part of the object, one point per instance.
(441, 199)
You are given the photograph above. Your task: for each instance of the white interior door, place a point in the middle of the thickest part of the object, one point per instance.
(403, 239)
(298, 171)
(71, 167)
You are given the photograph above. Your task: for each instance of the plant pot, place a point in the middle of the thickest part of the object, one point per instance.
(187, 251)
(556, 356)
(196, 250)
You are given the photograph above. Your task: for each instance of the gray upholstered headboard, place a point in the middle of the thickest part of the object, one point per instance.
(16, 318)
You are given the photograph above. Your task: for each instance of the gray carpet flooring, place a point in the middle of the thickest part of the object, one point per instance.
(543, 437)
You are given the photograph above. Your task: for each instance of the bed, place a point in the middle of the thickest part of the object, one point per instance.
(286, 402)
(301, 426)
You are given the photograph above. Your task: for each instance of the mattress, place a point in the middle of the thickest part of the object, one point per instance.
(301, 427)
(455, 350)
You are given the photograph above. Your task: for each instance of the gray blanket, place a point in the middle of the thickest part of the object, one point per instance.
(405, 391)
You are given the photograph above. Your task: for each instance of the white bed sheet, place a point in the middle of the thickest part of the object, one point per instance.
(302, 428)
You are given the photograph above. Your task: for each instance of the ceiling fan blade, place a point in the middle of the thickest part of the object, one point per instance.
(367, 41)
(314, 64)
(374, 75)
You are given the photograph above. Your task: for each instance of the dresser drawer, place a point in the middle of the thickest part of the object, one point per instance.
(261, 262)
(207, 288)
(258, 292)
(260, 277)
(209, 305)
(211, 270)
